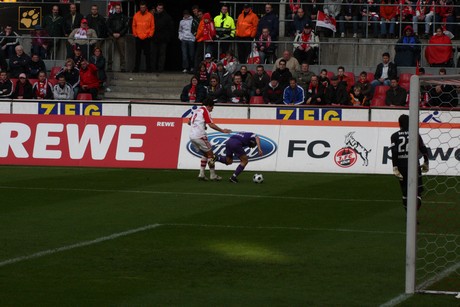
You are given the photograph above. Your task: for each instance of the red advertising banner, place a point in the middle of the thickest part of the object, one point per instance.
(97, 141)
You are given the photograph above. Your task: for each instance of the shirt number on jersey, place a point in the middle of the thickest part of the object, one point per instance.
(402, 147)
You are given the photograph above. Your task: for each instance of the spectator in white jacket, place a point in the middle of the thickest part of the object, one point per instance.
(187, 40)
(62, 90)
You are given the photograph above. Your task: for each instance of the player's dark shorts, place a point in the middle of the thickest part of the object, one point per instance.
(234, 147)
(403, 183)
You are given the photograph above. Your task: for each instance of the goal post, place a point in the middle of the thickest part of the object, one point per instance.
(433, 246)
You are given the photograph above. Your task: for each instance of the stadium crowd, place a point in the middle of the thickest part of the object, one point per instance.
(217, 70)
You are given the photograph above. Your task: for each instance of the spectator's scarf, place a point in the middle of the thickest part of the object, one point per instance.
(203, 76)
(192, 93)
(305, 41)
(264, 41)
(42, 88)
(311, 87)
(81, 33)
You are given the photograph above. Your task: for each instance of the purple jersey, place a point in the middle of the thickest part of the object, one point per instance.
(237, 142)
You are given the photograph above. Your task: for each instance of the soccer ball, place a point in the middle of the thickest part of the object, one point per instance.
(258, 178)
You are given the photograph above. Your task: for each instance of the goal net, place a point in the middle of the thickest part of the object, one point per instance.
(433, 232)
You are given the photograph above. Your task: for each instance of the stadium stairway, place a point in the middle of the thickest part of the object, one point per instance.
(146, 86)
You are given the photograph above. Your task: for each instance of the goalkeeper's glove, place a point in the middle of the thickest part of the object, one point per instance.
(425, 167)
(397, 173)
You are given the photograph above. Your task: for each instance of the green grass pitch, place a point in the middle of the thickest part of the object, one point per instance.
(76, 236)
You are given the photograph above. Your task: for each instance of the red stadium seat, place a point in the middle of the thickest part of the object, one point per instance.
(269, 73)
(404, 80)
(256, 100)
(54, 71)
(84, 96)
(350, 79)
(33, 81)
(370, 76)
(379, 95)
(330, 74)
(53, 81)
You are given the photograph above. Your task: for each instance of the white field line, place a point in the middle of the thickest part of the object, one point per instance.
(152, 226)
(78, 245)
(209, 194)
(403, 297)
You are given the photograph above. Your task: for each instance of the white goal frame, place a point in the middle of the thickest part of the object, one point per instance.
(412, 185)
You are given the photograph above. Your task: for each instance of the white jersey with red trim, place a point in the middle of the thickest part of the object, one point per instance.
(200, 118)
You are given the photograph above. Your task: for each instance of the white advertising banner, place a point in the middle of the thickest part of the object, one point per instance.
(334, 148)
(165, 110)
(387, 115)
(30, 107)
(5, 106)
(426, 116)
(115, 109)
(285, 112)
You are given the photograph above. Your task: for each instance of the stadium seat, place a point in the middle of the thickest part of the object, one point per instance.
(350, 79)
(378, 99)
(370, 76)
(33, 81)
(256, 100)
(84, 96)
(404, 80)
(330, 74)
(14, 80)
(54, 71)
(53, 81)
(269, 73)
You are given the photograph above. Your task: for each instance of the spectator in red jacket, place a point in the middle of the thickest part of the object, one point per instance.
(388, 12)
(439, 51)
(89, 82)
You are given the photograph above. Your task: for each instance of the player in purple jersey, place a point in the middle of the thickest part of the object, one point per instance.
(235, 146)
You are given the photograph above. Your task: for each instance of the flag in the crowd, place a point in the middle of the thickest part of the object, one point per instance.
(325, 21)
(111, 6)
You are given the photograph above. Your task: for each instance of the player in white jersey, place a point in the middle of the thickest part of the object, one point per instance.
(200, 119)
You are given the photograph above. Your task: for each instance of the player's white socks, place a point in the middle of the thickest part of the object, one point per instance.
(203, 161)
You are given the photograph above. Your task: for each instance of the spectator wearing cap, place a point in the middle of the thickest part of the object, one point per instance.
(273, 94)
(23, 88)
(42, 89)
(293, 94)
(84, 37)
(205, 35)
(187, 40)
(54, 26)
(6, 85)
(306, 45)
(19, 62)
(97, 22)
(211, 66)
(143, 30)
(164, 26)
(77, 56)
(117, 27)
(225, 28)
(246, 30)
(89, 82)
(336, 93)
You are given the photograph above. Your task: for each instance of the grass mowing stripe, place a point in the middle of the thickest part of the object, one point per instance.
(77, 245)
(308, 229)
(210, 194)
